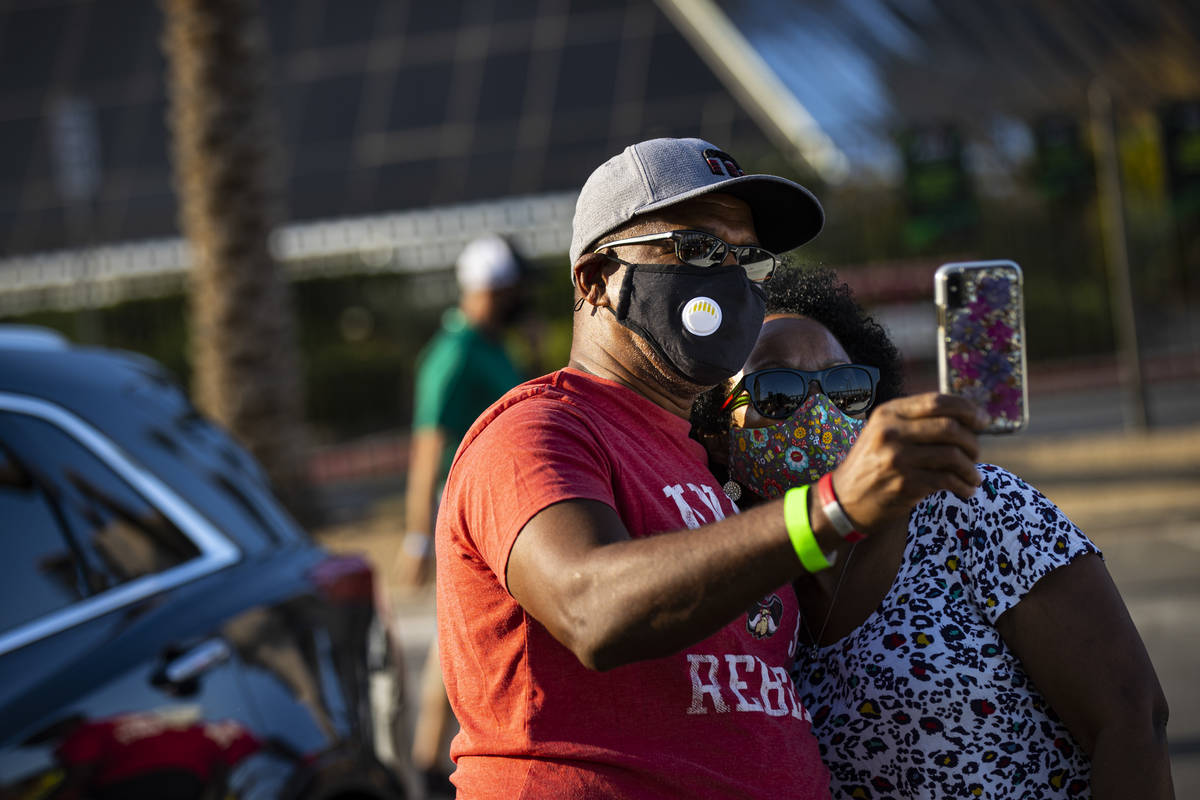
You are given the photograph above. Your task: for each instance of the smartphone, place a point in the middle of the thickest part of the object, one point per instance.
(981, 339)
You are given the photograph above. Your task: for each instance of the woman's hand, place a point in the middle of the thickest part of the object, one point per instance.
(910, 448)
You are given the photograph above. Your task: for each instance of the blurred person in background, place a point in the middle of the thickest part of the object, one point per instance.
(973, 648)
(610, 625)
(461, 371)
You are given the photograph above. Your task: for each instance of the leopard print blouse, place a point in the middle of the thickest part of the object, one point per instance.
(924, 699)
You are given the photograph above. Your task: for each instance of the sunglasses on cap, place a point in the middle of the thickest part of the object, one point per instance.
(776, 393)
(700, 249)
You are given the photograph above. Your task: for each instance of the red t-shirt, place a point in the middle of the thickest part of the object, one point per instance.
(718, 719)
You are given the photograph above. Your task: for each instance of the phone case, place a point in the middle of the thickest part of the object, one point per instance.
(981, 339)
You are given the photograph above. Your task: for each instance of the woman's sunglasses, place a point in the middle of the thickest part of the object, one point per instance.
(777, 393)
(700, 249)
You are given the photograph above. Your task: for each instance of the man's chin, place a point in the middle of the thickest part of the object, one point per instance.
(672, 381)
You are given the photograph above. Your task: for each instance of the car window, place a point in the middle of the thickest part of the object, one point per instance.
(39, 572)
(116, 533)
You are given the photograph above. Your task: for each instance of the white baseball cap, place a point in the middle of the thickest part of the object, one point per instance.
(487, 263)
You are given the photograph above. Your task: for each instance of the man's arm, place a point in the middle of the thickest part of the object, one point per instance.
(613, 600)
(424, 465)
(1074, 636)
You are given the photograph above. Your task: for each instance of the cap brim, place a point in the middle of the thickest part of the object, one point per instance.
(786, 215)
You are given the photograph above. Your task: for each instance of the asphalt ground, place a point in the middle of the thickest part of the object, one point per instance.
(1137, 495)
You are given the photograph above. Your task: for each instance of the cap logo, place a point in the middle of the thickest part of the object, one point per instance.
(721, 163)
(701, 316)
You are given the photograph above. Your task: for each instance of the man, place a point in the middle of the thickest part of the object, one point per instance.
(460, 372)
(601, 603)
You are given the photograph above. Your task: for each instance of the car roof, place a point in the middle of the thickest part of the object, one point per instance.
(134, 401)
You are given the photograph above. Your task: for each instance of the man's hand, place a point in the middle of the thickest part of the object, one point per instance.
(414, 567)
(910, 448)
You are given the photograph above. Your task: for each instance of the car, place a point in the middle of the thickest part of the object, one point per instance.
(167, 630)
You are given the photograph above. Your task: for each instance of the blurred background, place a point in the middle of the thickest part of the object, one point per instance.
(273, 194)
(1065, 136)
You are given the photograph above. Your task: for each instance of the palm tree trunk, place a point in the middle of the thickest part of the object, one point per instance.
(244, 359)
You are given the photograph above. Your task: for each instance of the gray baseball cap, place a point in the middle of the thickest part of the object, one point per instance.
(659, 173)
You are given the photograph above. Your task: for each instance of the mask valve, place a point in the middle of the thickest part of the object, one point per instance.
(701, 316)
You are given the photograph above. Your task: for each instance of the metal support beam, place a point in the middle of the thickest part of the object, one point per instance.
(751, 79)
(1112, 213)
(411, 241)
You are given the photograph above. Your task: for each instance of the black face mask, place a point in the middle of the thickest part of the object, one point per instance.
(703, 321)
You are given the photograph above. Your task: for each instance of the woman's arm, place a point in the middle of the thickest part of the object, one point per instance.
(1080, 647)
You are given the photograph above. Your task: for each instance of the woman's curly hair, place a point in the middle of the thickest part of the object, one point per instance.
(816, 293)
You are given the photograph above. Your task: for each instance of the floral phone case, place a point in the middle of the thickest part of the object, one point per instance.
(981, 339)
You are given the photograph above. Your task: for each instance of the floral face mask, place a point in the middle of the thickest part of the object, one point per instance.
(794, 451)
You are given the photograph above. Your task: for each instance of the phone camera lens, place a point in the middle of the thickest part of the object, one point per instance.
(954, 291)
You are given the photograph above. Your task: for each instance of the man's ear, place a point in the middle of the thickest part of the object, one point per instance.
(591, 273)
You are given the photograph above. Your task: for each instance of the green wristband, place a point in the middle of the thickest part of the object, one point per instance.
(799, 528)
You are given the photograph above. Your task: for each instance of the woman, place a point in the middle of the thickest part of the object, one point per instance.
(980, 650)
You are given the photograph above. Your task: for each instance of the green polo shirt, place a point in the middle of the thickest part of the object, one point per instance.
(460, 372)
